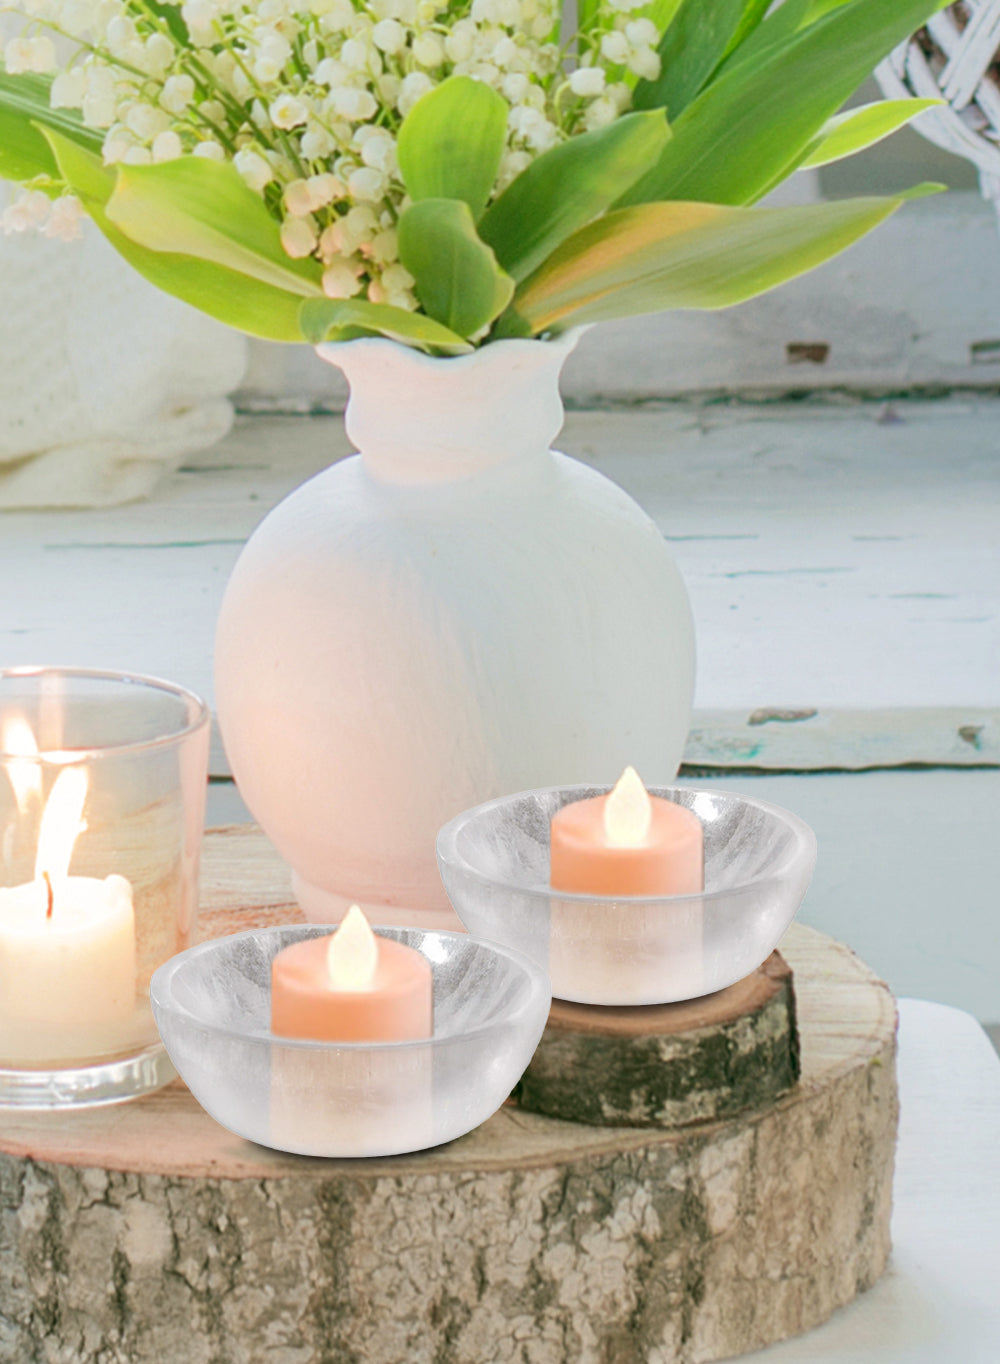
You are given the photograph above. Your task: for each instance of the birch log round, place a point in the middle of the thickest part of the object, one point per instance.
(668, 1064)
(147, 1232)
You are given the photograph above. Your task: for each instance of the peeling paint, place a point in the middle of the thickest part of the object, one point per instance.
(765, 716)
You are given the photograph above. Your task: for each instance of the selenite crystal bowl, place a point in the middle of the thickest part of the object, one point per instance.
(759, 858)
(212, 1006)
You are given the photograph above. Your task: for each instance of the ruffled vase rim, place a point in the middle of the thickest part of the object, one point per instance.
(551, 348)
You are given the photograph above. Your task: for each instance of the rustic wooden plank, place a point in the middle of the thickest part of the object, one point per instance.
(797, 738)
(593, 1243)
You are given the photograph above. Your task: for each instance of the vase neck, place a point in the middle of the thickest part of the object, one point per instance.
(417, 419)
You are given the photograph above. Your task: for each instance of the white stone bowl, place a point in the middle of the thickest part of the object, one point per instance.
(494, 862)
(212, 1007)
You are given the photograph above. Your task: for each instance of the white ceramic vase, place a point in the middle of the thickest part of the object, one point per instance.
(457, 613)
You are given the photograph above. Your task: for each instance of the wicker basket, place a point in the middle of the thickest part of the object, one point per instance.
(955, 57)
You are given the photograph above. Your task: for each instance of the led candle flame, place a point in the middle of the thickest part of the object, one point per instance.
(25, 774)
(354, 986)
(352, 956)
(626, 843)
(628, 812)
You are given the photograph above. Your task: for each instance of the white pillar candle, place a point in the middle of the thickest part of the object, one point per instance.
(67, 947)
(75, 966)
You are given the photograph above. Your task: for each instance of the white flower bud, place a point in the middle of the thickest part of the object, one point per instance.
(602, 112)
(379, 151)
(459, 43)
(297, 199)
(330, 72)
(298, 237)
(214, 110)
(22, 55)
(288, 112)
(396, 278)
(137, 156)
(366, 184)
(389, 36)
(642, 33)
(414, 85)
(388, 88)
(428, 50)
(117, 142)
(65, 218)
(167, 146)
(177, 94)
(120, 34)
(68, 89)
(587, 81)
(356, 55)
(323, 189)
(385, 246)
(614, 47)
(159, 54)
(511, 166)
(146, 121)
(98, 110)
(645, 62)
(350, 102)
(253, 168)
(340, 281)
(210, 150)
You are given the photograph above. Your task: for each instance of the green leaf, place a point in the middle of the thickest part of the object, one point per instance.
(201, 208)
(687, 255)
(24, 104)
(856, 129)
(562, 190)
(753, 122)
(692, 48)
(457, 277)
(172, 17)
(344, 319)
(239, 301)
(451, 142)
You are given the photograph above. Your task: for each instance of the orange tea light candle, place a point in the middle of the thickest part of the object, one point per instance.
(351, 986)
(627, 843)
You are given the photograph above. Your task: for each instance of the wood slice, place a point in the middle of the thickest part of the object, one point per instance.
(147, 1232)
(669, 1064)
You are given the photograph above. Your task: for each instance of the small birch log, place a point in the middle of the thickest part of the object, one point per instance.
(147, 1232)
(669, 1064)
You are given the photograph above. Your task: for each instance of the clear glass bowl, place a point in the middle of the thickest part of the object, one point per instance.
(494, 862)
(75, 1023)
(212, 1006)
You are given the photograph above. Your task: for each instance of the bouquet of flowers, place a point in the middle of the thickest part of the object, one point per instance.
(445, 172)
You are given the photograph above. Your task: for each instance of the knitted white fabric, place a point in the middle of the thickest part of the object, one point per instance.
(106, 383)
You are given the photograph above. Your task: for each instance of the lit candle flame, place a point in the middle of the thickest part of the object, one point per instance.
(62, 823)
(25, 775)
(628, 812)
(352, 956)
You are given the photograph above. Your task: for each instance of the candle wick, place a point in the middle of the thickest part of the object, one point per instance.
(48, 886)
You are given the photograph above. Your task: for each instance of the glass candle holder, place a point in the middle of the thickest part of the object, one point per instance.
(102, 802)
(213, 1007)
(631, 949)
